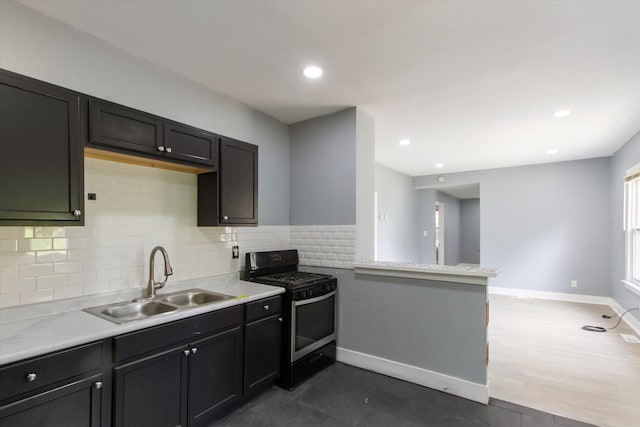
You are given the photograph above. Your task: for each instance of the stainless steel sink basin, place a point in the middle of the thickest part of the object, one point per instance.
(126, 312)
(194, 297)
(123, 312)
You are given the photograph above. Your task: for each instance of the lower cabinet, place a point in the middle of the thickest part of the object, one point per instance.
(184, 385)
(263, 335)
(215, 375)
(65, 388)
(76, 404)
(152, 391)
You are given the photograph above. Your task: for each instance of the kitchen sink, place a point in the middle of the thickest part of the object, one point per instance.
(123, 312)
(194, 297)
(128, 311)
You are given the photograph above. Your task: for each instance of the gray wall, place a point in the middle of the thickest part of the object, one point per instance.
(432, 325)
(398, 235)
(39, 47)
(470, 231)
(625, 158)
(322, 170)
(544, 225)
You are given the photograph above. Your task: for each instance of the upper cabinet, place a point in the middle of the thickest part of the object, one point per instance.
(126, 130)
(230, 196)
(115, 126)
(190, 144)
(41, 168)
(238, 182)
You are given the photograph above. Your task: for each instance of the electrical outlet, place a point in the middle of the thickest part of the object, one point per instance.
(235, 252)
(425, 233)
(574, 283)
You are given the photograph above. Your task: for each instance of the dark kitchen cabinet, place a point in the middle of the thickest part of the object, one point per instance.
(263, 334)
(152, 391)
(215, 375)
(66, 388)
(182, 373)
(75, 404)
(230, 195)
(189, 144)
(115, 126)
(41, 163)
(129, 131)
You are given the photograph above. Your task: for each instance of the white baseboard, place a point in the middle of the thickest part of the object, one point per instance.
(558, 296)
(452, 385)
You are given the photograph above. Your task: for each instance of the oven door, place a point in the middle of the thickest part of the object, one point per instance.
(313, 324)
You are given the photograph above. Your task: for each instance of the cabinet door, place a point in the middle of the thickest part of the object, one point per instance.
(215, 375)
(152, 391)
(238, 182)
(189, 144)
(115, 126)
(262, 353)
(41, 164)
(77, 404)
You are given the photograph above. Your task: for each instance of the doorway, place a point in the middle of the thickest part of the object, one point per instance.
(439, 225)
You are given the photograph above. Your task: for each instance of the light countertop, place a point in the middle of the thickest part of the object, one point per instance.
(36, 329)
(445, 273)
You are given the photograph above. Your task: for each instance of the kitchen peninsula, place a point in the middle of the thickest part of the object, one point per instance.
(426, 324)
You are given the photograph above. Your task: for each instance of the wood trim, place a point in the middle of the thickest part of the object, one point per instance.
(141, 161)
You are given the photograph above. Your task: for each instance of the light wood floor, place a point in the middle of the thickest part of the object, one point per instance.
(539, 357)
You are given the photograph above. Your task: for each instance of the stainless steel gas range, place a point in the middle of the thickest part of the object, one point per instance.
(309, 313)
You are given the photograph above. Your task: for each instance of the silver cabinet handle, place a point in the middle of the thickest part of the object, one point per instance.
(266, 307)
(31, 377)
(76, 212)
(169, 149)
(194, 350)
(97, 385)
(225, 217)
(279, 319)
(186, 352)
(161, 148)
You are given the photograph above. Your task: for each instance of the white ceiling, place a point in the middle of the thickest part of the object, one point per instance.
(473, 84)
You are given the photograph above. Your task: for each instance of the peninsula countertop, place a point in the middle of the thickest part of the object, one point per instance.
(445, 273)
(36, 329)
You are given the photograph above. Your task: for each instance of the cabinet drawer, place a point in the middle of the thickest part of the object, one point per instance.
(263, 308)
(49, 369)
(157, 337)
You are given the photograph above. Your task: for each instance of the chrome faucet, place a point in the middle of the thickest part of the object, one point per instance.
(152, 285)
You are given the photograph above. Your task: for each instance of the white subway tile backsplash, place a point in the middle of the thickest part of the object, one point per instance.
(18, 285)
(86, 278)
(36, 270)
(39, 295)
(51, 256)
(47, 282)
(325, 246)
(68, 292)
(136, 209)
(68, 267)
(9, 299)
(35, 244)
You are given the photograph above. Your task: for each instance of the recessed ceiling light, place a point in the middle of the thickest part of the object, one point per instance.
(561, 113)
(404, 142)
(439, 165)
(312, 72)
(554, 151)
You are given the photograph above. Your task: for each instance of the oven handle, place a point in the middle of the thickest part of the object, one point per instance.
(316, 299)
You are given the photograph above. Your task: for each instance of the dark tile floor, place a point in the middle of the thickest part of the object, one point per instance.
(344, 395)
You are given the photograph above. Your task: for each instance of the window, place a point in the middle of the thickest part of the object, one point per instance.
(632, 224)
